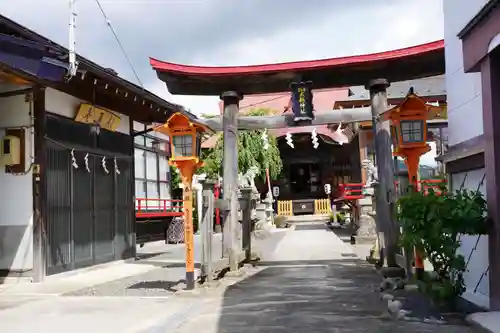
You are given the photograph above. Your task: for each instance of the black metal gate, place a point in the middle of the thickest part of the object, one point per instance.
(90, 209)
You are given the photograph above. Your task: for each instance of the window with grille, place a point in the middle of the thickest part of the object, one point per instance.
(152, 171)
(412, 131)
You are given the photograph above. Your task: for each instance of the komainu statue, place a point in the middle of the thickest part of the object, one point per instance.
(249, 177)
(371, 173)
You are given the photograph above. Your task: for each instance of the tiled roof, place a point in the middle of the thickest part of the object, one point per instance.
(430, 86)
(324, 99)
(211, 141)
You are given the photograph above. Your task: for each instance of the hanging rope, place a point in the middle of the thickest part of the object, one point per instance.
(103, 163)
(73, 150)
(86, 159)
(73, 159)
(117, 171)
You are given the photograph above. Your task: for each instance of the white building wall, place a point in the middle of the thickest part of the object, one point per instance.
(474, 248)
(463, 90)
(465, 121)
(16, 193)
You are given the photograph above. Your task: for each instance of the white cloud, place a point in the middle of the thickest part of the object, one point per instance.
(197, 104)
(355, 32)
(352, 33)
(224, 32)
(430, 157)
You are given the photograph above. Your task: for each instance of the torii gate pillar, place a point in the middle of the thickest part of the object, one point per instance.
(385, 195)
(231, 228)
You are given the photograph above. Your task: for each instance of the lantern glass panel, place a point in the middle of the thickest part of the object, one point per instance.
(183, 145)
(412, 131)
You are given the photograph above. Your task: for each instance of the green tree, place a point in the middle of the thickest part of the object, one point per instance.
(251, 152)
(175, 178)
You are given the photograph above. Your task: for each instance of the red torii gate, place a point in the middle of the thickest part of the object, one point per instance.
(232, 82)
(397, 65)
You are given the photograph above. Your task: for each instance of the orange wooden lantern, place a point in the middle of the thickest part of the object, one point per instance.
(409, 132)
(409, 136)
(185, 142)
(185, 146)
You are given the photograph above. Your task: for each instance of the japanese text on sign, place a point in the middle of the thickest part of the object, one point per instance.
(90, 114)
(302, 104)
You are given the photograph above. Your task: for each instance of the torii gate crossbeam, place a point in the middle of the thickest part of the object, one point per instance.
(320, 118)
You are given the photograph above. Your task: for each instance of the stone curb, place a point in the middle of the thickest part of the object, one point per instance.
(177, 319)
(469, 319)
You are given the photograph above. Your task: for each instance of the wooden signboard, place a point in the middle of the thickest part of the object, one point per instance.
(90, 114)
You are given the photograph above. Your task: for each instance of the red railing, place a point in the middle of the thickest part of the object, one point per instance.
(354, 191)
(217, 210)
(428, 184)
(350, 191)
(435, 184)
(151, 208)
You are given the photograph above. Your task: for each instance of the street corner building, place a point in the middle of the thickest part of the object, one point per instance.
(67, 176)
(472, 39)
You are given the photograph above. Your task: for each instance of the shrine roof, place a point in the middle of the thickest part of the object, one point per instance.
(430, 86)
(403, 64)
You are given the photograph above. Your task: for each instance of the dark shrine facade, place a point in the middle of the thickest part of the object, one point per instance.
(307, 170)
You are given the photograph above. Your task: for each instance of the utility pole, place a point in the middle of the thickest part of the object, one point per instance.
(231, 233)
(73, 64)
(384, 194)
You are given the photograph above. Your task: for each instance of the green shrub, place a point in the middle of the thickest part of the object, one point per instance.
(280, 221)
(433, 224)
(340, 216)
(331, 217)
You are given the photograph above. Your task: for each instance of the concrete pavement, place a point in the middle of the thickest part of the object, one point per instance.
(91, 314)
(309, 280)
(490, 321)
(127, 297)
(153, 255)
(311, 283)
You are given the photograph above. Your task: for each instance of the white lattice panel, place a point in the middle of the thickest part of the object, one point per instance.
(473, 249)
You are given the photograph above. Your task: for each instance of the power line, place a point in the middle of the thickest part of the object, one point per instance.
(108, 22)
(263, 102)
